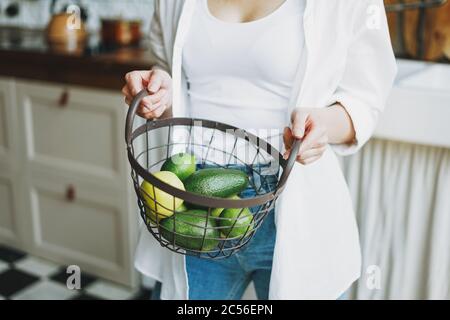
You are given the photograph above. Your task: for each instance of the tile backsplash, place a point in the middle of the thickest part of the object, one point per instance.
(36, 13)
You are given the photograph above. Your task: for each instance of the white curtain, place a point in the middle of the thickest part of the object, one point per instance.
(401, 194)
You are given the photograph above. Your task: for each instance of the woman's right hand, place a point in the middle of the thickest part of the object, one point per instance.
(159, 85)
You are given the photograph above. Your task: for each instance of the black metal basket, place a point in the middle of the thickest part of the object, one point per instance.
(212, 240)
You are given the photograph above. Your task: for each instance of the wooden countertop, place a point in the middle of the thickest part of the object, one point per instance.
(26, 54)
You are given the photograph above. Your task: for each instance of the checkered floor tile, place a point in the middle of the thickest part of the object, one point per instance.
(24, 277)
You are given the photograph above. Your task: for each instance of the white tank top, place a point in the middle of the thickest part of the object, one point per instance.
(242, 73)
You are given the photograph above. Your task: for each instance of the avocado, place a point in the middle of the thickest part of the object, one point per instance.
(217, 182)
(236, 223)
(182, 164)
(190, 227)
(215, 212)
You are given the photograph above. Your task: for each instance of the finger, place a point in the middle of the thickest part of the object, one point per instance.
(127, 95)
(160, 111)
(137, 80)
(143, 109)
(147, 106)
(155, 83)
(155, 113)
(125, 91)
(312, 153)
(288, 142)
(320, 144)
(288, 138)
(165, 101)
(152, 109)
(322, 141)
(317, 133)
(298, 123)
(166, 82)
(310, 160)
(155, 98)
(144, 115)
(147, 109)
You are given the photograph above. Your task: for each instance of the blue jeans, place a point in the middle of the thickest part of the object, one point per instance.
(227, 279)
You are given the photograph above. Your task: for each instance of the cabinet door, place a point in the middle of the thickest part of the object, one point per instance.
(78, 191)
(9, 213)
(73, 130)
(75, 223)
(8, 217)
(7, 120)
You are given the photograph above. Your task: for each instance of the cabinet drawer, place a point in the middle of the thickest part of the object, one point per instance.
(7, 212)
(73, 129)
(81, 225)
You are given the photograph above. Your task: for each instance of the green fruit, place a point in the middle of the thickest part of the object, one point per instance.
(160, 204)
(190, 229)
(182, 164)
(217, 211)
(236, 223)
(151, 219)
(220, 183)
(182, 208)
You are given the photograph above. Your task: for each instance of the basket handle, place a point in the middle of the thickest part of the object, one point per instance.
(134, 105)
(289, 166)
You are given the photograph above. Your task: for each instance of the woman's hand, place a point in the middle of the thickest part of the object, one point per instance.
(317, 128)
(159, 85)
(306, 125)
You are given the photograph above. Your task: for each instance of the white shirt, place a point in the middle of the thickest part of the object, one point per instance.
(243, 73)
(348, 59)
(236, 76)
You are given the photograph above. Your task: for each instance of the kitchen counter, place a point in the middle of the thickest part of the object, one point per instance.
(418, 108)
(26, 54)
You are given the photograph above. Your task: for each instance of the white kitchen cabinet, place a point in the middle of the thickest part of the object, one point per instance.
(72, 130)
(9, 213)
(75, 196)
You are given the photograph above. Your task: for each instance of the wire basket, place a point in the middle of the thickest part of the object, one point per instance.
(192, 223)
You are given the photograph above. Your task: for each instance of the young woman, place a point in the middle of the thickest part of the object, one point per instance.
(317, 70)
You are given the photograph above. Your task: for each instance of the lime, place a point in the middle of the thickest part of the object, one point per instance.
(182, 164)
(159, 204)
(236, 223)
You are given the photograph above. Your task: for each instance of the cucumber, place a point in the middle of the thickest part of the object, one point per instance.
(217, 182)
(190, 227)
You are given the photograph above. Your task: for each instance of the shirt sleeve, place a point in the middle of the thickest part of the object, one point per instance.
(369, 74)
(157, 48)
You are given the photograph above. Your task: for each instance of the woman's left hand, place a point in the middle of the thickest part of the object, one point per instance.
(307, 125)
